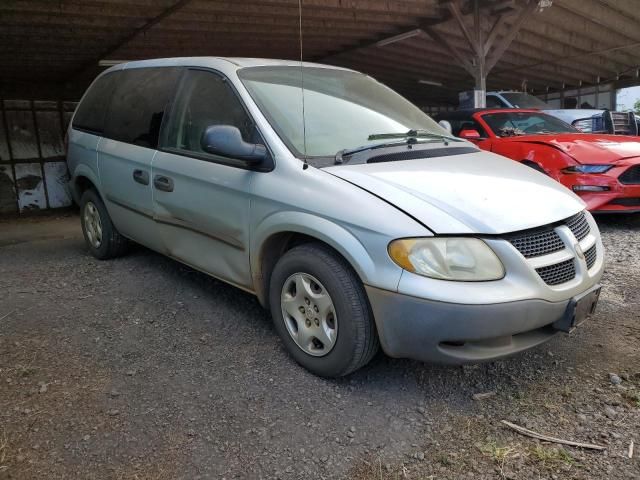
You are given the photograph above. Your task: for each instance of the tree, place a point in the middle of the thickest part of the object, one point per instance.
(636, 106)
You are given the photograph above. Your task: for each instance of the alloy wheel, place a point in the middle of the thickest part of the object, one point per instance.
(92, 224)
(309, 314)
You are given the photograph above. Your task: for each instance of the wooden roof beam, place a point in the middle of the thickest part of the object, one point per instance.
(128, 38)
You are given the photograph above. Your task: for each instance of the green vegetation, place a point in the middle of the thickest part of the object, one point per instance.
(550, 456)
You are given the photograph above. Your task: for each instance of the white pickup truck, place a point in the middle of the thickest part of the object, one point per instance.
(589, 120)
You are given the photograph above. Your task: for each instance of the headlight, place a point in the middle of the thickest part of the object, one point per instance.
(587, 169)
(447, 258)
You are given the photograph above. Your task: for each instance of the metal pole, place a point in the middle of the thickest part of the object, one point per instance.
(480, 97)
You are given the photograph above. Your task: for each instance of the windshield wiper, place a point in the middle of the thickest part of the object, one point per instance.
(350, 151)
(410, 141)
(411, 136)
(414, 134)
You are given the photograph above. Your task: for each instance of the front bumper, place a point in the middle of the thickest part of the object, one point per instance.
(463, 322)
(618, 198)
(451, 333)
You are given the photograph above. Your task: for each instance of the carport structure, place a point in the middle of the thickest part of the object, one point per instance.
(547, 45)
(428, 50)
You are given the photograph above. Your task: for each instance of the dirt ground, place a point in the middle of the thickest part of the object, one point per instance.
(141, 368)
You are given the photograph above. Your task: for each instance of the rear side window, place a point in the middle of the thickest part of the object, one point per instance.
(92, 110)
(138, 104)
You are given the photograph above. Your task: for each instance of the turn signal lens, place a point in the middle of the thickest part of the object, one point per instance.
(447, 258)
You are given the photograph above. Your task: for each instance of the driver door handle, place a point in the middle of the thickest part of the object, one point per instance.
(140, 176)
(163, 183)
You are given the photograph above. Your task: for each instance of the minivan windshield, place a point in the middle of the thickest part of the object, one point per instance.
(342, 109)
(524, 100)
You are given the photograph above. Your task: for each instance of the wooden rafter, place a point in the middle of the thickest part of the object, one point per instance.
(510, 35)
(110, 50)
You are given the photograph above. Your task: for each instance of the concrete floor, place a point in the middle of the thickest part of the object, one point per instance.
(33, 229)
(142, 368)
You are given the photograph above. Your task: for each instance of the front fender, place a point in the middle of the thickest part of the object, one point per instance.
(551, 158)
(382, 273)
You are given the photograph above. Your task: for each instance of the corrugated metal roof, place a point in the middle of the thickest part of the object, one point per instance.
(573, 42)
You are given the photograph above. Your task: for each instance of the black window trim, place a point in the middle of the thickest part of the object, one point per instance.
(267, 165)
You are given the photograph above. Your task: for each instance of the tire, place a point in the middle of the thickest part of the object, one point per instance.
(109, 243)
(355, 340)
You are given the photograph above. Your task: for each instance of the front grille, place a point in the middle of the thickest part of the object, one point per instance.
(590, 256)
(578, 225)
(545, 240)
(559, 273)
(631, 176)
(626, 201)
(536, 244)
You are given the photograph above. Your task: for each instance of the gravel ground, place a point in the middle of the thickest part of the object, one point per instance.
(141, 368)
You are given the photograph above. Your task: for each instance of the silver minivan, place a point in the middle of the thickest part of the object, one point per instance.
(350, 214)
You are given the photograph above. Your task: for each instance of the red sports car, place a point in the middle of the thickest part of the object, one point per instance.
(603, 169)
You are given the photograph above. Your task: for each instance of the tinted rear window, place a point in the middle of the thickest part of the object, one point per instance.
(138, 104)
(91, 112)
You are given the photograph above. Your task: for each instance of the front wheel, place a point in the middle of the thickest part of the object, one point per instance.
(321, 311)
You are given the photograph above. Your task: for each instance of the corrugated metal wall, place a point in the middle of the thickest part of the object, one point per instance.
(33, 172)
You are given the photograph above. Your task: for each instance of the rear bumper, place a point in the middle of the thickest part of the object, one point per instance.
(450, 333)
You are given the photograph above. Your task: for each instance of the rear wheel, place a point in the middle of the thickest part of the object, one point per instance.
(100, 234)
(321, 311)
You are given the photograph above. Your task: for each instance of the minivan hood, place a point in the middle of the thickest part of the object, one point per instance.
(587, 147)
(478, 192)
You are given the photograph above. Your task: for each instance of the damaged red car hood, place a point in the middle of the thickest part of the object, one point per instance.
(587, 148)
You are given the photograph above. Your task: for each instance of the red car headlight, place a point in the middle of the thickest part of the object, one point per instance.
(587, 169)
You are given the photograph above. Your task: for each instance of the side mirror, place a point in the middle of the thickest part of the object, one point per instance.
(226, 140)
(446, 125)
(469, 134)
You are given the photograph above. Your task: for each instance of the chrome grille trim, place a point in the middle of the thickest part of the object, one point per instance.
(559, 273)
(578, 225)
(590, 256)
(550, 249)
(537, 244)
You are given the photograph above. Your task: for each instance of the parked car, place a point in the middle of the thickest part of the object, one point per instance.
(361, 223)
(588, 120)
(604, 170)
